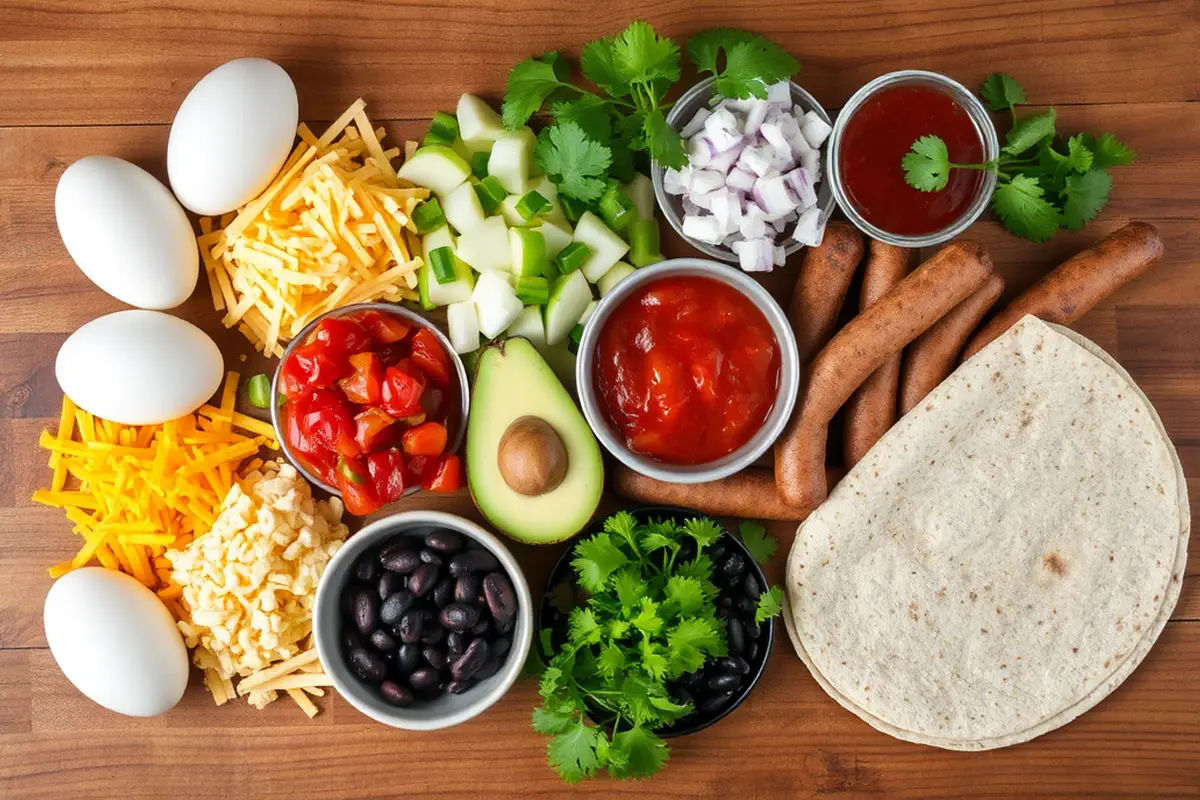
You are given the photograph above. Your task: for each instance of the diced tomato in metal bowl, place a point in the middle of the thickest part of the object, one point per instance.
(371, 404)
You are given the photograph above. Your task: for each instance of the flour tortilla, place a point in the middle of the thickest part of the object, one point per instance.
(1004, 557)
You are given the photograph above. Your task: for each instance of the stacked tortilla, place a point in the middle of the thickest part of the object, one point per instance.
(1004, 558)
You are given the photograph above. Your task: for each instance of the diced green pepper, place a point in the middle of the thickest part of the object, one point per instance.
(572, 208)
(258, 391)
(533, 291)
(428, 216)
(441, 261)
(444, 126)
(572, 257)
(574, 338)
(532, 204)
(491, 194)
(479, 162)
(616, 209)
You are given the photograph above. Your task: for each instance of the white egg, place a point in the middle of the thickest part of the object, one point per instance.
(139, 367)
(116, 642)
(231, 135)
(126, 232)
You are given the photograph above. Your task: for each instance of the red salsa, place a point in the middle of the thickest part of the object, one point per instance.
(687, 369)
(370, 403)
(876, 140)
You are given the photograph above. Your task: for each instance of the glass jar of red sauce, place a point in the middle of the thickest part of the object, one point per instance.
(872, 134)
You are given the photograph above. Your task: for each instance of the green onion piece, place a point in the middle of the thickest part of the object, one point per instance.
(533, 291)
(258, 390)
(572, 208)
(644, 248)
(572, 257)
(532, 204)
(433, 137)
(575, 337)
(616, 209)
(479, 162)
(428, 216)
(491, 194)
(444, 126)
(441, 261)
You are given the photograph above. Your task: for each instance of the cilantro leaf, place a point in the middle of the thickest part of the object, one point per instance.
(640, 753)
(573, 752)
(1109, 151)
(576, 163)
(704, 48)
(1029, 131)
(550, 722)
(664, 142)
(691, 642)
(1079, 155)
(760, 544)
(589, 112)
(705, 531)
(647, 619)
(654, 658)
(597, 558)
(629, 586)
(751, 62)
(685, 595)
(770, 604)
(1024, 210)
(1085, 195)
(582, 628)
(599, 66)
(529, 84)
(1002, 92)
(927, 164)
(640, 55)
(700, 568)
(611, 662)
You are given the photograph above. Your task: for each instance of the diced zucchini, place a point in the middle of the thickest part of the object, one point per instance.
(619, 272)
(491, 194)
(463, 209)
(532, 290)
(478, 123)
(569, 297)
(428, 216)
(528, 251)
(434, 294)
(588, 312)
(479, 163)
(496, 304)
(529, 325)
(486, 246)
(606, 247)
(437, 168)
(641, 191)
(463, 324)
(574, 338)
(508, 210)
(532, 205)
(444, 126)
(557, 235)
(644, 247)
(572, 257)
(511, 160)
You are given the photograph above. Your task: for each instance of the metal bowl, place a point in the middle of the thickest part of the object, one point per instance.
(278, 410)
(785, 396)
(983, 126)
(671, 205)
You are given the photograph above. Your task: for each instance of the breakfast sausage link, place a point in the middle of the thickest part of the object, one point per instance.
(1080, 282)
(932, 355)
(750, 494)
(871, 410)
(821, 287)
(900, 316)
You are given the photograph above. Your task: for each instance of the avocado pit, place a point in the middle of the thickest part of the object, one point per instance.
(532, 457)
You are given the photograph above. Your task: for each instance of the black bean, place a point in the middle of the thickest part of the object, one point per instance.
(682, 696)
(467, 588)
(424, 679)
(367, 665)
(445, 541)
(458, 687)
(724, 601)
(443, 593)
(390, 583)
(724, 681)
(412, 625)
(715, 702)
(723, 613)
(395, 693)
(693, 680)
(732, 664)
(716, 552)
(501, 646)
(366, 569)
(394, 607)
(434, 656)
(481, 628)
(382, 641)
(501, 599)
(473, 561)
(434, 634)
(746, 605)
(400, 558)
(408, 656)
(466, 665)
(456, 643)
(752, 652)
(422, 580)
(729, 572)
(735, 634)
(751, 587)
(459, 616)
(431, 557)
(366, 611)
(751, 627)
(489, 668)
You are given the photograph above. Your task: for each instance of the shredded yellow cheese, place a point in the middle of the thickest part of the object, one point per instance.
(334, 228)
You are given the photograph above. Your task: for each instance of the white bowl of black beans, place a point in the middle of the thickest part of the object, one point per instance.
(423, 620)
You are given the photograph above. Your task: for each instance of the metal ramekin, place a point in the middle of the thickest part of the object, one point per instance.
(983, 126)
(785, 396)
(460, 371)
(671, 205)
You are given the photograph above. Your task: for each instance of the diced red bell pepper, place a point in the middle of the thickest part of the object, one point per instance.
(364, 385)
(445, 477)
(430, 356)
(327, 420)
(392, 354)
(310, 366)
(418, 465)
(355, 485)
(389, 475)
(426, 439)
(375, 430)
(401, 392)
(384, 328)
(342, 336)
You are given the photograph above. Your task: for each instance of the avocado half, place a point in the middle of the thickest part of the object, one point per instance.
(513, 381)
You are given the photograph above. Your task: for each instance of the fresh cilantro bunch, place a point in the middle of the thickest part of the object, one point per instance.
(649, 619)
(1045, 182)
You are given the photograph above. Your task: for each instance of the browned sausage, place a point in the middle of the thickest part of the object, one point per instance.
(871, 410)
(1080, 282)
(750, 494)
(900, 316)
(932, 355)
(821, 287)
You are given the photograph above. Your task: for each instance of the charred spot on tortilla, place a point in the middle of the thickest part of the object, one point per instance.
(1055, 563)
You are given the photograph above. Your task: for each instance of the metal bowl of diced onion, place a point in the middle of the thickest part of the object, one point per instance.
(752, 193)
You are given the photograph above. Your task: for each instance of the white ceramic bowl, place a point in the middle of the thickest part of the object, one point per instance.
(448, 709)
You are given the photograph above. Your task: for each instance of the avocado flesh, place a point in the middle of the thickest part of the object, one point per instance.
(513, 381)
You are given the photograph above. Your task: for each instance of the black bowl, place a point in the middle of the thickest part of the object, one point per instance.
(562, 579)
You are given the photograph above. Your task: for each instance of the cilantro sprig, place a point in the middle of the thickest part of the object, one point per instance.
(1044, 181)
(649, 619)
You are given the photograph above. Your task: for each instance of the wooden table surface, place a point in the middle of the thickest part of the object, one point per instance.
(78, 78)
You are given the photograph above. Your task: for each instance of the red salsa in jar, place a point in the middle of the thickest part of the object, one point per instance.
(687, 369)
(875, 142)
(370, 403)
